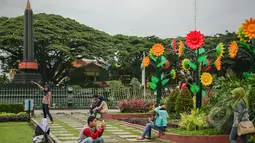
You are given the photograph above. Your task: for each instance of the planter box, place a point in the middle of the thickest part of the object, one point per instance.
(115, 116)
(177, 138)
(196, 139)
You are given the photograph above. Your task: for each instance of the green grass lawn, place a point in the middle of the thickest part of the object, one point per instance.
(16, 132)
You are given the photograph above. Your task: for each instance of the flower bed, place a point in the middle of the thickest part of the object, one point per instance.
(6, 117)
(122, 116)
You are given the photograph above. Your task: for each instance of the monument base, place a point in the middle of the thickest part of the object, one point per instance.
(26, 78)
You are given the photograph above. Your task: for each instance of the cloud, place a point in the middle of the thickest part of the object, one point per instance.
(163, 18)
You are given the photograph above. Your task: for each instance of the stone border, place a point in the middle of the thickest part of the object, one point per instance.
(52, 138)
(109, 116)
(184, 138)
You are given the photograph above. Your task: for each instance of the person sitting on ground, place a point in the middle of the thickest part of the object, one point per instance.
(41, 132)
(94, 104)
(103, 108)
(149, 126)
(90, 134)
(162, 119)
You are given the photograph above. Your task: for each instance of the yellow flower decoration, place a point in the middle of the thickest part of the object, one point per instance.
(146, 61)
(181, 46)
(206, 79)
(221, 50)
(249, 28)
(183, 64)
(242, 36)
(233, 49)
(158, 49)
(218, 64)
(173, 74)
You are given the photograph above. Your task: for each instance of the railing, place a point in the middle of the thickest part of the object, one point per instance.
(80, 98)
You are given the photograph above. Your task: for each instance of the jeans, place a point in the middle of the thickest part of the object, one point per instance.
(90, 140)
(233, 136)
(147, 130)
(96, 112)
(45, 109)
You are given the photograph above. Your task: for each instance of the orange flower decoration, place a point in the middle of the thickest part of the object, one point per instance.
(158, 49)
(233, 49)
(218, 64)
(181, 47)
(146, 61)
(249, 28)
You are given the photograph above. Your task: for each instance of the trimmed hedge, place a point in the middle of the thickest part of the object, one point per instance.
(11, 108)
(6, 117)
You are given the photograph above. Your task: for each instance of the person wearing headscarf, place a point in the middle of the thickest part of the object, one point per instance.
(42, 129)
(46, 102)
(240, 107)
(102, 108)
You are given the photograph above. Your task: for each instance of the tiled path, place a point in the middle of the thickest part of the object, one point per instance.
(67, 127)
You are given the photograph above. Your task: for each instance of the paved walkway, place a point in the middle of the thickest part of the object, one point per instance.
(67, 127)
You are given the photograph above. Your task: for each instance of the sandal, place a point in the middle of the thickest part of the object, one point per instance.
(140, 138)
(149, 138)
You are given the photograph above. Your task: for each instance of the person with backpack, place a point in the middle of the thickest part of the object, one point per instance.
(41, 132)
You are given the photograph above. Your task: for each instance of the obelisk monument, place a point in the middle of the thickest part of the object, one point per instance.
(28, 67)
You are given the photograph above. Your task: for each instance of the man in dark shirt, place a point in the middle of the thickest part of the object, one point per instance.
(95, 103)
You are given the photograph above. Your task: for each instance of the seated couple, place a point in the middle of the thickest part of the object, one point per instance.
(98, 105)
(159, 122)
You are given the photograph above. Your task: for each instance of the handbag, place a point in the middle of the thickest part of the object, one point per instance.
(245, 127)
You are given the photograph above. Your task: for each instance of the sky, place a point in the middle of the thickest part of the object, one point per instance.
(162, 18)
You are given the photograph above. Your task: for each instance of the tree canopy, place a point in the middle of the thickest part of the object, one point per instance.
(58, 41)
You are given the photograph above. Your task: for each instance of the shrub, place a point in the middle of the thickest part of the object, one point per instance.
(134, 106)
(6, 117)
(196, 120)
(184, 102)
(11, 108)
(171, 99)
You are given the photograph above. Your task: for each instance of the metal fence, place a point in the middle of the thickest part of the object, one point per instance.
(79, 98)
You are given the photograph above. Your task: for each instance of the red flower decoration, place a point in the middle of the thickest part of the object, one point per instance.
(174, 44)
(195, 40)
(167, 65)
(208, 67)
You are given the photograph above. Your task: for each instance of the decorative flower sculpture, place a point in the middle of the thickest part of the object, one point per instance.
(233, 49)
(158, 49)
(181, 48)
(242, 36)
(185, 65)
(146, 61)
(218, 64)
(195, 40)
(249, 28)
(174, 44)
(158, 61)
(206, 79)
(166, 65)
(220, 50)
(173, 74)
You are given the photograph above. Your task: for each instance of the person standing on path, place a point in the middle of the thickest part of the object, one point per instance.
(90, 134)
(46, 102)
(240, 113)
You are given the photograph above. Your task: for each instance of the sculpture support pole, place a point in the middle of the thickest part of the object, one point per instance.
(159, 84)
(199, 93)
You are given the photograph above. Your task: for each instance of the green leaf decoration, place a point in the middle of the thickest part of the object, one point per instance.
(154, 79)
(253, 51)
(218, 50)
(203, 93)
(192, 65)
(243, 44)
(200, 50)
(152, 85)
(205, 62)
(163, 59)
(162, 76)
(194, 88)
(153, 57)
(202, 58)
(164, 81)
